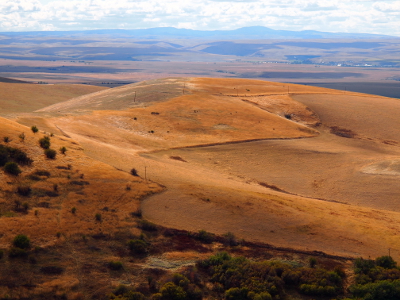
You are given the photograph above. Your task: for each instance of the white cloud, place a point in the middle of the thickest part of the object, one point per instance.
(322, 15)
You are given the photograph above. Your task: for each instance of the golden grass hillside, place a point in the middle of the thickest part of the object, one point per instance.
(26, 97)
(58, 185)
(278, 163)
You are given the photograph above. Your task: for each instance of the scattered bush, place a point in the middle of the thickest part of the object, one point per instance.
(6, 139)
(22, 137)
(50, 153)
(134, 172)
(63, 150)
(44, 142)
(12, 168)
(205, 237)
(17, 253)
(24, 190)
(73, 210)
(146, 225)
(170, 291)
(230, 239)
(138, 246)
(21, 241)
(34, 129)
(97, 217)
(312, 261)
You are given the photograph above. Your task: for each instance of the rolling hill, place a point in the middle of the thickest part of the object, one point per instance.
(297, 167)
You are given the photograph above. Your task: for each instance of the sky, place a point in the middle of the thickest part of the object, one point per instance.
(355, 16)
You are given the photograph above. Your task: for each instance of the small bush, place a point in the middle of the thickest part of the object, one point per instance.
(138, 246)
(17, 253)
(205, 237)
(44, 142)
(115, 265)
(98, 217)
(146, 225)
(230, 239)
(22, 137)
(134, 172)
(6, 139)
(34, 129)
(22, 241)
(63, 150)
(24, 190)
(12, 168)
(50, 153)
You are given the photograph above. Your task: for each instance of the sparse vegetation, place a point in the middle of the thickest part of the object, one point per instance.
(6, 139)
(24, 190)
(44, 142)
(134, 172)
(50, 153)
(138, 246)
(21, 241)
(63, 150)
(12, 168)
(146, 225)
(22, 137)
(97, 217)
(73, 210)
(34, 129)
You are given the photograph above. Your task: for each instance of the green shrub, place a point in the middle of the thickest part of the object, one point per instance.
(24, 190)
(170, 291)
(97, 217)
(22, 137)
(73, 210)
(50, 153)
(17, 253)
(12, 168)
(63, 150)
(138, 246)
(34, 129)
(146, 225)
(6, 139)
(205, 237)
(230, 239)
(21, 241)
(4, 156)
(44, 142)
(386, 262)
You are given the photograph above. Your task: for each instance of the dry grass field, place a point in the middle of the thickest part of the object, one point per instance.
(288, 165)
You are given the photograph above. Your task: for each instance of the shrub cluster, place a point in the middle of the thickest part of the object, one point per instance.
(241, 278)
(16, 155)
(376, 279)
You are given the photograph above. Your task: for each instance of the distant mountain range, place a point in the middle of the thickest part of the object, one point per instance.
(245, 33)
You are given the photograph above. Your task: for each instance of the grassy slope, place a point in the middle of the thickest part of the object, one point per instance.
(21, 97)
(223, 110)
